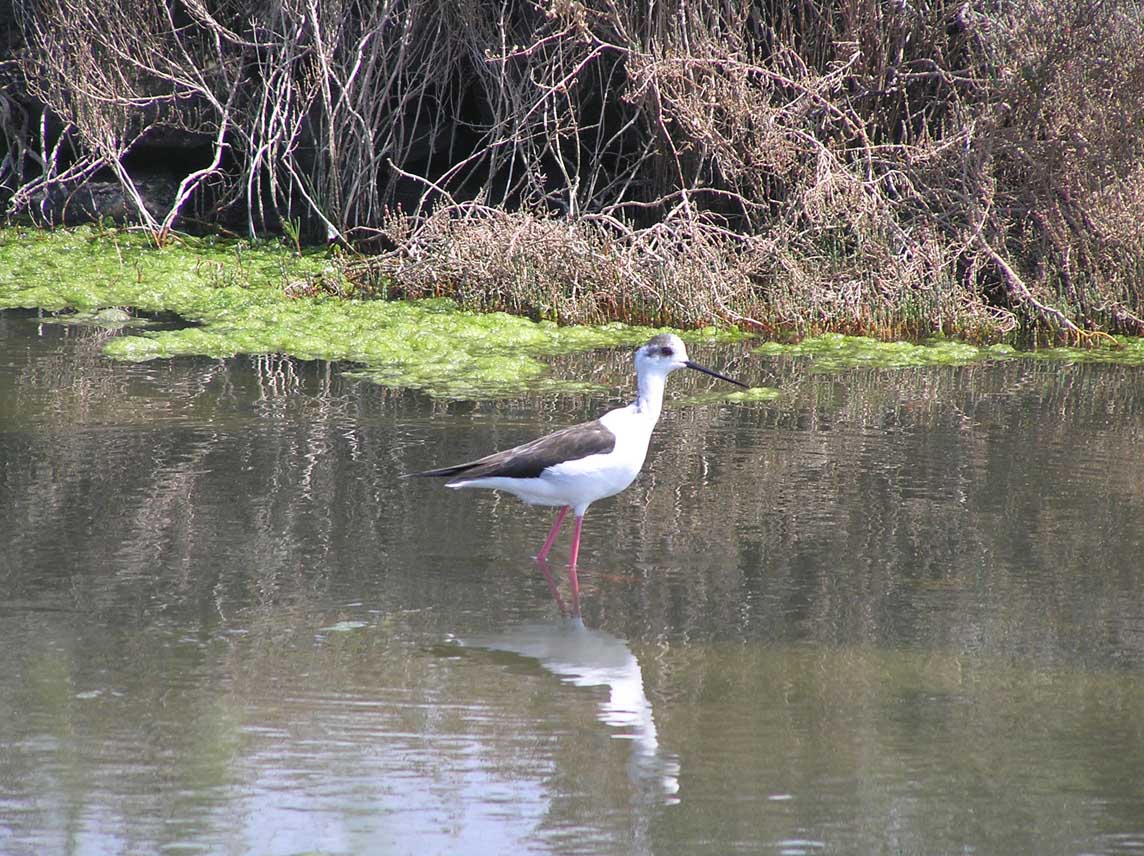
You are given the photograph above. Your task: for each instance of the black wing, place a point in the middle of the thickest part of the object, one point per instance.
(531, 459)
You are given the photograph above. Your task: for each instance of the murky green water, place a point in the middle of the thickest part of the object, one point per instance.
(890, 611)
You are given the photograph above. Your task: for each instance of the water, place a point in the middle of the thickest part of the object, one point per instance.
(890, 612)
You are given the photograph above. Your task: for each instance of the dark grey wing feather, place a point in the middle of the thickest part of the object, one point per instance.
(529, 460)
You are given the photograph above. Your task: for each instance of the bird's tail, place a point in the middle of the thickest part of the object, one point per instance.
(443, 472)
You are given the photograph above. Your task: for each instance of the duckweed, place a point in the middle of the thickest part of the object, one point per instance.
(738, 396)
(1130, 353)
(833, 351)
(232, 295)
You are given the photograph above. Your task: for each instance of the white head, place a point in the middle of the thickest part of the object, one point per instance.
(665, 353)
(662, 355)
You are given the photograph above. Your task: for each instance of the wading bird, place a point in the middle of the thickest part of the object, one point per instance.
(576, 466)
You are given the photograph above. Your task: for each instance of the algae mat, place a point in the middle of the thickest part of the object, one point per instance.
(241, 297)
(235, 298)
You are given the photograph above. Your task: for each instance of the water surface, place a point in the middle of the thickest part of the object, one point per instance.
(891, 611)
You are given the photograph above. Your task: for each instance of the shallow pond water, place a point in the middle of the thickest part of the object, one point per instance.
(888, 611)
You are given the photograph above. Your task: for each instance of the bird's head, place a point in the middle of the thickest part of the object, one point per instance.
(665, 353)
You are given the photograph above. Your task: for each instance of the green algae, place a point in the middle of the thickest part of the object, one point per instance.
(110, 318)
(242, 297)
(738, 396)
(235, 297)
(1128, 351)
(833, 352)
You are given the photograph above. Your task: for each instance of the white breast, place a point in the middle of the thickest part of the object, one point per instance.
(581, 482)
(599, 476)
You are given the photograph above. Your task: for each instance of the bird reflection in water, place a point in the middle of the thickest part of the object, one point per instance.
(554, 590)
(584, 657)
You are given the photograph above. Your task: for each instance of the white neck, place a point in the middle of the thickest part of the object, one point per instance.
(650, 398)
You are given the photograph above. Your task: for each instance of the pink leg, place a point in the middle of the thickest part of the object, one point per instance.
(572, 578)
(560, 515)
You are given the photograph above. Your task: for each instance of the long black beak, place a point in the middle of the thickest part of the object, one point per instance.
(708, 371)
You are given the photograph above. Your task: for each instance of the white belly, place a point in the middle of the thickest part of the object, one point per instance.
(581, 482)
(576, 483)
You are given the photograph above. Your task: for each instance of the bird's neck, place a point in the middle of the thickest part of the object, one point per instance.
(649, 400)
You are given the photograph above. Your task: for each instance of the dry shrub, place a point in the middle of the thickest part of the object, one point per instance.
(682, 273)
(886, 167)
(1066, 151)
(760, 200)
(568, 271)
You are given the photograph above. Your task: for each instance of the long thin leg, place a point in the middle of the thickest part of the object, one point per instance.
(560, 515)
(573, 579)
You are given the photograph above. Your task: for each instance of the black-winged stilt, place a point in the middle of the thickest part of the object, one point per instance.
(576, 466)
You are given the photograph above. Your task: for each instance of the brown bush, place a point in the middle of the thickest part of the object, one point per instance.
(861, 165)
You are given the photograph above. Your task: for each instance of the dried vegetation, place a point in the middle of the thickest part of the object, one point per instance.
(876, 166)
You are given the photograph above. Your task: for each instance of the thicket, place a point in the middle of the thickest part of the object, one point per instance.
(883, 166)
